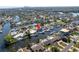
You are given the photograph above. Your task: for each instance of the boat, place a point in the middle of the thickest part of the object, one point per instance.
(0, 28)
(0, 31)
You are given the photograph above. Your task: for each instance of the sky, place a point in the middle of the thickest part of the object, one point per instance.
(37, 3)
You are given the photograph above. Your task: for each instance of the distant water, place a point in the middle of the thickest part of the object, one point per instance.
(75, 14)
(17, 18)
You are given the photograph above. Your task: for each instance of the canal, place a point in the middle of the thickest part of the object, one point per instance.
(5, 31)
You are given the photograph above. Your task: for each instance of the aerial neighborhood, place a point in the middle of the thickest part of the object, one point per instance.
(39, 29)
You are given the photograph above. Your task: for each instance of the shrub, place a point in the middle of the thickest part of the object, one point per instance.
(10, 39)
(55, 49)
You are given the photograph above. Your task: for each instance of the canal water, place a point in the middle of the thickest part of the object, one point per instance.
(5, 31)
(42, 36)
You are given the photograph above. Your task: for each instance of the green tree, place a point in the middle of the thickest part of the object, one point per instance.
(38, 40)
(65, 21)
(68, 40)
(74, 33)
(27, 38)
(55, 49)
(74, 50)
(10, 39)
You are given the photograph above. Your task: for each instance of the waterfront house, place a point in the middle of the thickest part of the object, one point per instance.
(19, 36)
(13, 33)
(18, 23)
(64, 32)
(32, 31)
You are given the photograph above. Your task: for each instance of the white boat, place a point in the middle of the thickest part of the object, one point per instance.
(0, 31)
(0, 28)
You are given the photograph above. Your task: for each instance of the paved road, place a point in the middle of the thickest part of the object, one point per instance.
(69, 46)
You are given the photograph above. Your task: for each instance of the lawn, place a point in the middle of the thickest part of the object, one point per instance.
(48, 46)
(59, 46)
(63, 44)
(73, 49)
(76, 45)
